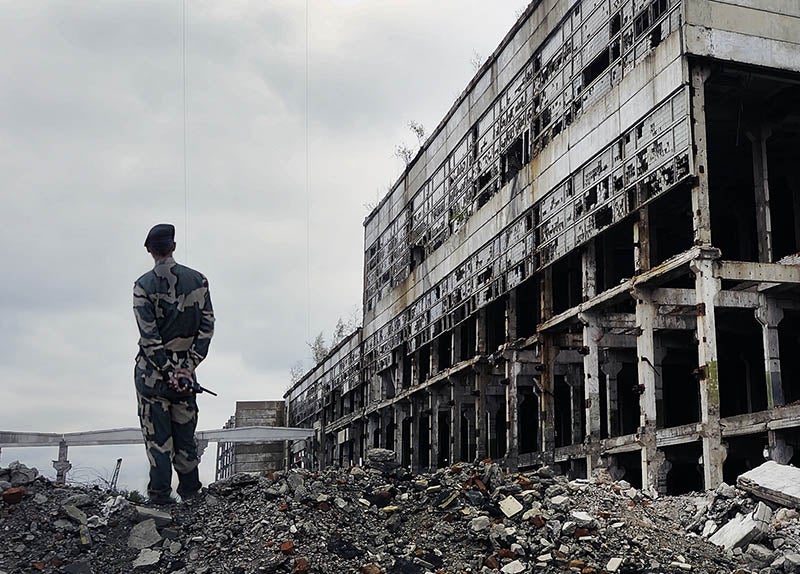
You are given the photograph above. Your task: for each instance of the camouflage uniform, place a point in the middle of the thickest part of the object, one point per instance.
(173, 310)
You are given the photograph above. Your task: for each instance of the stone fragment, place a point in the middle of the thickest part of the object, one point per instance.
(510, 506)
(480, 523)
(13, 495)
(743, 530)
(709, 528)
(146, 558)
(513, 567)
(287, 547)
(371, 568)
(760, 552)
(559, 502)
(75, 514)
(160, 517)
(80, 567)
(39, 498)
(144, 535)
(582, 519)
(80, 500)
(614, 564)
(791, 562)
(773, 482)
(4, 485)
(300, 565)
(84, 536)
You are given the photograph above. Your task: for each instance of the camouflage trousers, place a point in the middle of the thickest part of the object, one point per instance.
(168, 427)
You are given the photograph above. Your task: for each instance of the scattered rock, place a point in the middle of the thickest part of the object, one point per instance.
(144, 535)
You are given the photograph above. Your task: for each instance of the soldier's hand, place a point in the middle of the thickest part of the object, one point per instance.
(175, 378)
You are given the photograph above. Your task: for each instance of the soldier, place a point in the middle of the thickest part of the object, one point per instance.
(173, 310)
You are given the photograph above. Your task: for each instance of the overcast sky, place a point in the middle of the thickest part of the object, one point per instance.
(92, 155)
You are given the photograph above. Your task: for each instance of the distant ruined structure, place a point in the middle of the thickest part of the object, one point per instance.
(592, 261)
(258, 457)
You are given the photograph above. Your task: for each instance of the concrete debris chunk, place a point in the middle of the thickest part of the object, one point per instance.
(146, 558)
(510, 506)
(144, 535)
(774, 482)
(160, 517)
(743, 530)
(614, 564)
(513, 567)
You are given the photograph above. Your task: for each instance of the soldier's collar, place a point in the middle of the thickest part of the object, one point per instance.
(164, 261)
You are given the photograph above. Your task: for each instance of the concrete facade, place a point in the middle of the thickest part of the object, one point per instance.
(252, 457)
(592, 262)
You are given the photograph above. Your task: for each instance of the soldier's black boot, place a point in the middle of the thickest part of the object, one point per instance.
(189, 484)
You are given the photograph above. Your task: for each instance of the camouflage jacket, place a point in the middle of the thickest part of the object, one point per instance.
(173, 310)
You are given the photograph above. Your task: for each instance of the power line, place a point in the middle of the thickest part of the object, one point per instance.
(308, 202)
(185, 152)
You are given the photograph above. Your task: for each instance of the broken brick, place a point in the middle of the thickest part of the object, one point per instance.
(287, 547)
(14, 495)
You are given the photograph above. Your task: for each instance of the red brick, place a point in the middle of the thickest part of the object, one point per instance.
(14, 495)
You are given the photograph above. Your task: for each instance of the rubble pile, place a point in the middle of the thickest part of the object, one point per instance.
(382, 519)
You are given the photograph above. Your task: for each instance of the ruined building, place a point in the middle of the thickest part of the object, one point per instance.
(591, 262)
(252, 457)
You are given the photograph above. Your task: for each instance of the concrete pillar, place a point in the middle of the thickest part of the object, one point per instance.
(770, 316)
(641, 241)
(481, 387)
(547, 418)
(574, 378)
(659, 352)
(62, 465)
(456, 400)
(433, 406)
(480, 331)
(592, 334)
(513, 368)
(779, 450)
(455, 350)
(646, 370)
(758, 137)
(701, 207)
(511, 316)
(706, 289)
(434, 355)
(611, 369)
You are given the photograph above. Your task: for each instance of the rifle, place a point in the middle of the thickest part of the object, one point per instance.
(194, 386)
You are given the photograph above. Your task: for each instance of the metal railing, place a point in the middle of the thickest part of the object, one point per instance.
(133, 435)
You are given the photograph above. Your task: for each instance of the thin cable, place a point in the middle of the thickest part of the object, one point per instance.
(185, 153)
(308, 203)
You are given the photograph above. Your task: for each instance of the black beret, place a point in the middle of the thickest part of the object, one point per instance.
(163, 233)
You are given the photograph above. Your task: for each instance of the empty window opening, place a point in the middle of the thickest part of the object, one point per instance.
(528, 308)
(670, 225)
(789, 345)
(423, 364)
(567, 288)
(528, 421)
(376, 438)
(423, 441)
(628, 466)
(616, 23)
(598, 66)
(681, 389)
(469, 338)
(389, 436)
(445, 351)
(444, 439)
(614, 255)
(495, 324)
(604, 217)
(563, 412)
(405, 442)
(684, 473)
(513, 159)
(468, 444)
(744, 453)
(628, 393)
(742, 382)
(498, 445)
